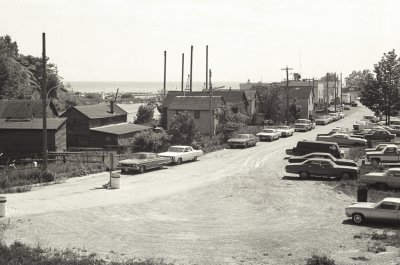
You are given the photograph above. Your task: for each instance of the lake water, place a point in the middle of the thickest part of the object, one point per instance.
(143, 87)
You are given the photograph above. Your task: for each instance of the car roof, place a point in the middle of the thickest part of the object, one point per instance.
(145, 153)
(394, 169)
(319, 153)
(391, 199)
(318, 159)
(180, 146)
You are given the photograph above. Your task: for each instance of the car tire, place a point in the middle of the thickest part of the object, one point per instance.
(246, 145)
(194, 159)
(357, 218)
(304, 174)
(375, 162)
(381, 186)
(346, 176)
(142, 169)
(179, 161)
(123, 170)
(161, 166)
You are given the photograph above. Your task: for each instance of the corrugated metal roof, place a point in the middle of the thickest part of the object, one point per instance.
(196, 103)
(31, 124)
(120, 128)
(102, 110)
(23, 108)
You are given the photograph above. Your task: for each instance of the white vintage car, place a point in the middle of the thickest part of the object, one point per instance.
(385, 210)
(181, 153)
(268, 135)
(285, 131)
(387, 179)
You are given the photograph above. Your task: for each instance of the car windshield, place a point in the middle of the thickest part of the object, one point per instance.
(283, 127)
(139, 156)
(243, 136)
(176, 149)
(268, 130)
(301, 121)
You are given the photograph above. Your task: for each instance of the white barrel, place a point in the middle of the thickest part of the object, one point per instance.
(3, 206)
(34, 164)
(115, 180)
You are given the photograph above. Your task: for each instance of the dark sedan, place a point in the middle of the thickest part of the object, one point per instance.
(342, 162)
(141, 162)
(380, 135)
(321, 167)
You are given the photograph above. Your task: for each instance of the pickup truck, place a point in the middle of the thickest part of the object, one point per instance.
(389, 155)
(342, 139)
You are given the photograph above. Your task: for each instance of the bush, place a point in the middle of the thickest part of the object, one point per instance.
(183, 129)
(320, 260)
(150, 141)
(229, 122)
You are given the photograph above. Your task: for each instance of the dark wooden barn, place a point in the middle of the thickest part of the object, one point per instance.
(24, 136)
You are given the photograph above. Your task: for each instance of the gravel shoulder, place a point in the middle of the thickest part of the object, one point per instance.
(233, 206)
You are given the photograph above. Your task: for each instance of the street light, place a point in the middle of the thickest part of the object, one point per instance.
(45, 104)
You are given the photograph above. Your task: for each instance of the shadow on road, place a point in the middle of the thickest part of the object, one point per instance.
(323, 179)
(373, 224)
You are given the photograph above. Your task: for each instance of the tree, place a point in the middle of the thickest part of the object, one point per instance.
(381, 94)
(331, 77)
(357, 78)
(183, 129)
(149, 141)
(229, 122)
(296, 76)
(294, 111)
(145, 114)
(270, 102)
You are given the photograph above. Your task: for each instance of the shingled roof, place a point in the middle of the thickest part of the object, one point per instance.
(196, 103)
(120, 128)
(24, 108)
(302, 92)
(31, 124)
(230, 96)
(102, 110)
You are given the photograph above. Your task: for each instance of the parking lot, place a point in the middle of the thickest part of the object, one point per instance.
(233, 206)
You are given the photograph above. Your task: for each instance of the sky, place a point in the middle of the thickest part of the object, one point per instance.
(125, 40)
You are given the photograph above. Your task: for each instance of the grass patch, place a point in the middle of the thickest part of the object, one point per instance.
(19, 253)
(320, 260)
(19, 180)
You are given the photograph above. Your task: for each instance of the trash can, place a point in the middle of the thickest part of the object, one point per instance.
(115, 180)
(362, 194)
(3, 206)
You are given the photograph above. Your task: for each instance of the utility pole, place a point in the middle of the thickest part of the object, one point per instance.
(191, 67)
(206, 67)
(211, 109)
(341, 92)
(327, 93)
(287, 94)
(183, 69)
(334, 100)
(44, 99)
(165, 71)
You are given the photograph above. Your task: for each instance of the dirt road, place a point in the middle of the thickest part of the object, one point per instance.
(231, 207)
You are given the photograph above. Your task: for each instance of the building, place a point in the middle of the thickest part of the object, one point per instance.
(24, 136)
(199, 108)
(302, 97)
(25, 108)
(100, 125)
(239, 101)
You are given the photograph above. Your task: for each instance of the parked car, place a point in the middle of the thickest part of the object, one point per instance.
(370, 118)
(378, 148)
(389, 154)
(342, 115)
(322, 120)
(360, 133)
(242, 140)
(303, 125)
(307, 147)
(385, 210)
(353, 104)
(321, 167)
(387, 179)
(343, 162)
(143, 161)
(181, 153)
(268, 135)
(335, 116)
(380, 135)
(346, 108)
(342, 139)
(285, 131)
(390, 129)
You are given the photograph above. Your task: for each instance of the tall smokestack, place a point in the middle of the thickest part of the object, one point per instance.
(191, 66)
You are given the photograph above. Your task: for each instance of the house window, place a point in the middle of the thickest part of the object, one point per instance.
(197, 114)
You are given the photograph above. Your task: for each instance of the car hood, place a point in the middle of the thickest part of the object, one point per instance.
(170, 154)
(375, 174)
(357, 139)
(237, 140)
(374, 153)
(132, 161)
(366, 205)
(345, 161)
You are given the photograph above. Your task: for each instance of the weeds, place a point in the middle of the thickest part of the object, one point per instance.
(320, 260)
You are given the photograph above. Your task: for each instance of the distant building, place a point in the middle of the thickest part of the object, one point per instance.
(24, 136)
(199, 108)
